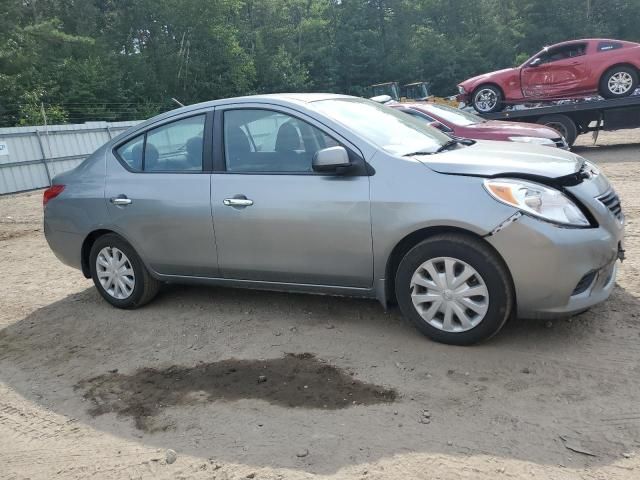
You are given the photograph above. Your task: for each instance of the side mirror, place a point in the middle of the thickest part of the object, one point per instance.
(535, 62)
(332, 159)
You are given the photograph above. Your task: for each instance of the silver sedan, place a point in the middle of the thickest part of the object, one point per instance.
(339, 195)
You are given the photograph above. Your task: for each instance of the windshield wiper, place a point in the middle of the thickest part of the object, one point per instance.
(447, 145)
(419, 152)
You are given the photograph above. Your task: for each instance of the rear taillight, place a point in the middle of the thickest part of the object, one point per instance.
(50, 193)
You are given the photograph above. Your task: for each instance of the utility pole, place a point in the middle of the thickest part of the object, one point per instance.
(44, 116)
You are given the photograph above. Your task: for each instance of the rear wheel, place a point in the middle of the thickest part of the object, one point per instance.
(455, 289)
(618, 82)
(119, 274)
(563, 124)
(487, 99)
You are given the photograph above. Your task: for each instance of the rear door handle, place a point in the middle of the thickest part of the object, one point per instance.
(237, 202)
(121, 200)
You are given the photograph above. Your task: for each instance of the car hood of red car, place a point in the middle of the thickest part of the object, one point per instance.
(500, 130)
(493, 75)
(487, 158)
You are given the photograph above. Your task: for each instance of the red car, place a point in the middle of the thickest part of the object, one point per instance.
(566, 70)
(459, 123)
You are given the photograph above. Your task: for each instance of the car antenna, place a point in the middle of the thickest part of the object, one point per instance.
(177, 101)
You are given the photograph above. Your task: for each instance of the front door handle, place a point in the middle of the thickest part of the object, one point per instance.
(121, 200)
(237, 202)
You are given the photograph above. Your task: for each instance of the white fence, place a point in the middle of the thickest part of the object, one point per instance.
(31, 156)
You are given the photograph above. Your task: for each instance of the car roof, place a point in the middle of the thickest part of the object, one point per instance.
(277, 98)
(590, 40)
(281, 99)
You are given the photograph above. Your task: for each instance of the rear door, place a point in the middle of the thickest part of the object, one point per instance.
(561, 71)
(158, 196)
(275, 218)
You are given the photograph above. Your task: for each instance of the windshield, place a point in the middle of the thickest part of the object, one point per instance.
(393, 131)
(453, 115)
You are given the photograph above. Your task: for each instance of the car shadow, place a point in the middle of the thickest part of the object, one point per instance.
(530, 393)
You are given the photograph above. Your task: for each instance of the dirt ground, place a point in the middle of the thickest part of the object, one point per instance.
(185, 387)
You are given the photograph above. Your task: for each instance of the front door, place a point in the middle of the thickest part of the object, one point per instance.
(276, 219)
(560, 71)
(158, 196)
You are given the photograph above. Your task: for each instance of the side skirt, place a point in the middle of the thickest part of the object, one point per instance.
(273, 286)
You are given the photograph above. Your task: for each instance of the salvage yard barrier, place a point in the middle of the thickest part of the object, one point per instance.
(31, 156)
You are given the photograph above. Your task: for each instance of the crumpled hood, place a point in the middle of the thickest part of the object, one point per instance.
(489, 159)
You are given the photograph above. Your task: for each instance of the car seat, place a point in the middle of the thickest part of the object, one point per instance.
(194, 153)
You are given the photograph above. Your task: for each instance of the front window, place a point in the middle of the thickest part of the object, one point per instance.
(563, 52)
(453, 115)
(393, 131)
(266, 141)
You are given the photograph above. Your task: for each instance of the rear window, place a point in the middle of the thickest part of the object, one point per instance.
(173, 147)
(606, 46)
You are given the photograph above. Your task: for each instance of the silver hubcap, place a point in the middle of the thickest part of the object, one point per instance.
(620, 83)
(115, 273)
(449, 294)
(486, 99)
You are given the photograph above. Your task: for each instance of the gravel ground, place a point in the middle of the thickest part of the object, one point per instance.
(541, 400)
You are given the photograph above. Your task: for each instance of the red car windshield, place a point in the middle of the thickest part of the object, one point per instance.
(452, 115)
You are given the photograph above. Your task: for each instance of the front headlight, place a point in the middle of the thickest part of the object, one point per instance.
(461, 90)
(538, 200)
(536, 140)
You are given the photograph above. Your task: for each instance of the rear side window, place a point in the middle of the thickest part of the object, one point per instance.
(131, 153)
(606, 46)
(174, 147)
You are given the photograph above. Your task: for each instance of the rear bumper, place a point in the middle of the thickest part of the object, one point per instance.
(66, 246)
(548, 263)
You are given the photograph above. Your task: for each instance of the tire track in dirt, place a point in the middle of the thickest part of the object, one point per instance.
(35, 425)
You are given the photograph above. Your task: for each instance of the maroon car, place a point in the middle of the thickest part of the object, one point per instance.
(571, 69)
(459, 123)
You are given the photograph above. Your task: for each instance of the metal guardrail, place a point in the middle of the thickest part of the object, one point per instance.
(31, 156)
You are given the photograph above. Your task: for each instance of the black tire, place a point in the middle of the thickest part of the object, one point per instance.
(563, 124)
(606, 92)
(145, 286)
(480, 91)
(476, 254)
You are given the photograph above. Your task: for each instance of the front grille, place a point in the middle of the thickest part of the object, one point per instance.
(612, 202)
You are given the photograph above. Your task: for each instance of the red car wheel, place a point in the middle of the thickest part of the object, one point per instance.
(618, 82)
(487, 99)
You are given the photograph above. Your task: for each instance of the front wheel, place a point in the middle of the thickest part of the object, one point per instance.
(455, 289)
(119, 274)
(487, 99)
(618, 82)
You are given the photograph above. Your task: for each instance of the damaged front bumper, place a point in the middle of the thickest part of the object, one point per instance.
(558, 271)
